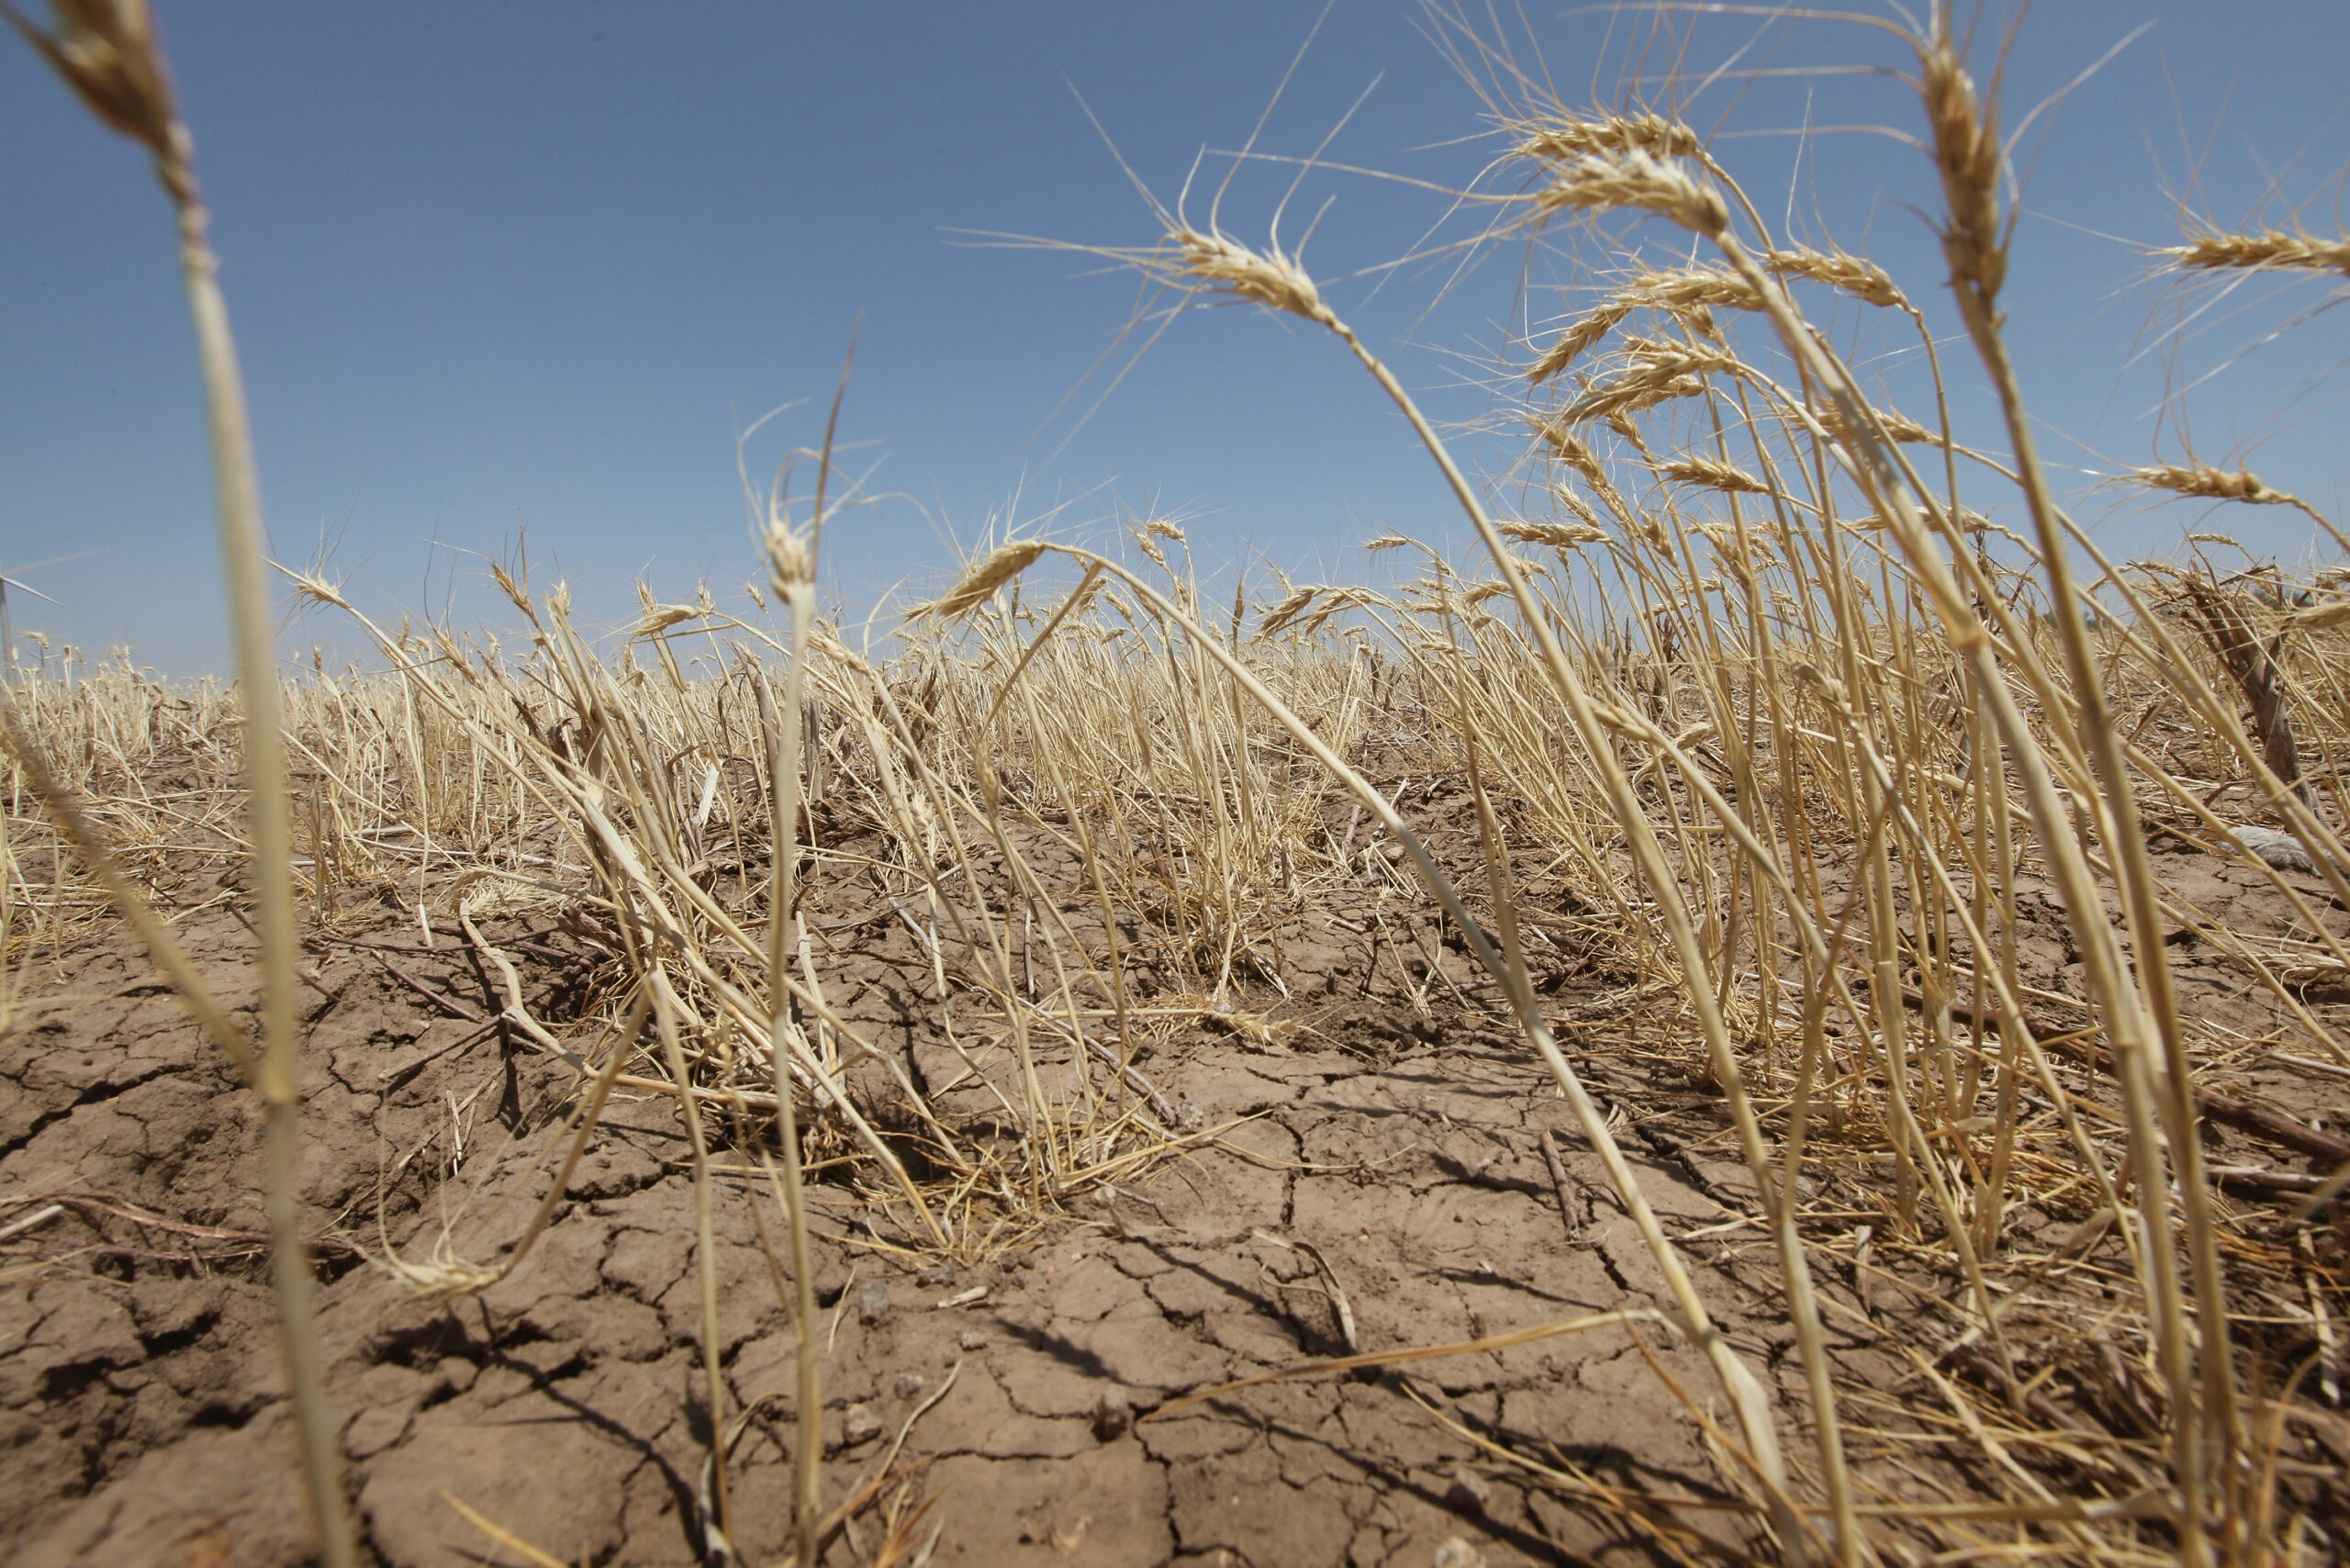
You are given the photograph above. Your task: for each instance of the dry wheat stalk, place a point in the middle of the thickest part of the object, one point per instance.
(1570, 344)
(1712, 476)
(1559, 136)
(2268, 250)
(1557, 535)
(105, 51)
(1967, 153)
(1855, 275)
(1611, 181)
(1294, 604)
(982, 577)
(1221, 265)
(2203, 482)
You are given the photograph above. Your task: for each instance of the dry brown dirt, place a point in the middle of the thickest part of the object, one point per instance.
(142, 1418)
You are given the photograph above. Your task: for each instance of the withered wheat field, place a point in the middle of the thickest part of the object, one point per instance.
(1760, 1015)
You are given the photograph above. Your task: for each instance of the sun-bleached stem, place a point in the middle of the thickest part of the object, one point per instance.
(245, 561)
(783, 795)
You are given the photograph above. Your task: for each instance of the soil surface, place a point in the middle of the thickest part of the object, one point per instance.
(1016, 1402)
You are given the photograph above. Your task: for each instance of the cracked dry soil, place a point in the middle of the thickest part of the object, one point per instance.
(142, 1410)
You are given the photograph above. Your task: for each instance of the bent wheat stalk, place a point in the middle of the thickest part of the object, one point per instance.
(1213, 263)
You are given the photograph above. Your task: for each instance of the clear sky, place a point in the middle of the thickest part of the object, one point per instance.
(502, 264)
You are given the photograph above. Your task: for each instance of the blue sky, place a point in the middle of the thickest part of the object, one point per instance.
(493, 265)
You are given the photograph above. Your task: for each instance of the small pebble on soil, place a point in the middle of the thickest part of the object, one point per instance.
(1113, 1413)
(859, 1425)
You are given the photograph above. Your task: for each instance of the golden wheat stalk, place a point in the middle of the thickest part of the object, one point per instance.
(1855, 275)
(105, 51)
(1557, 535)
(978, 582)
(1617, 182)
(1291, 605)
(1568, 345)
(1559, 136)
(1967, 153)
(1220, 265)
(2203, 482)
(2211, 484)
(1708, 474)
(2267, 249)
(1694, 289)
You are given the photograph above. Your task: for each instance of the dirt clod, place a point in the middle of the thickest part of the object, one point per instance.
(1113, 1413)
(872, 1303)
(1469, 1492)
